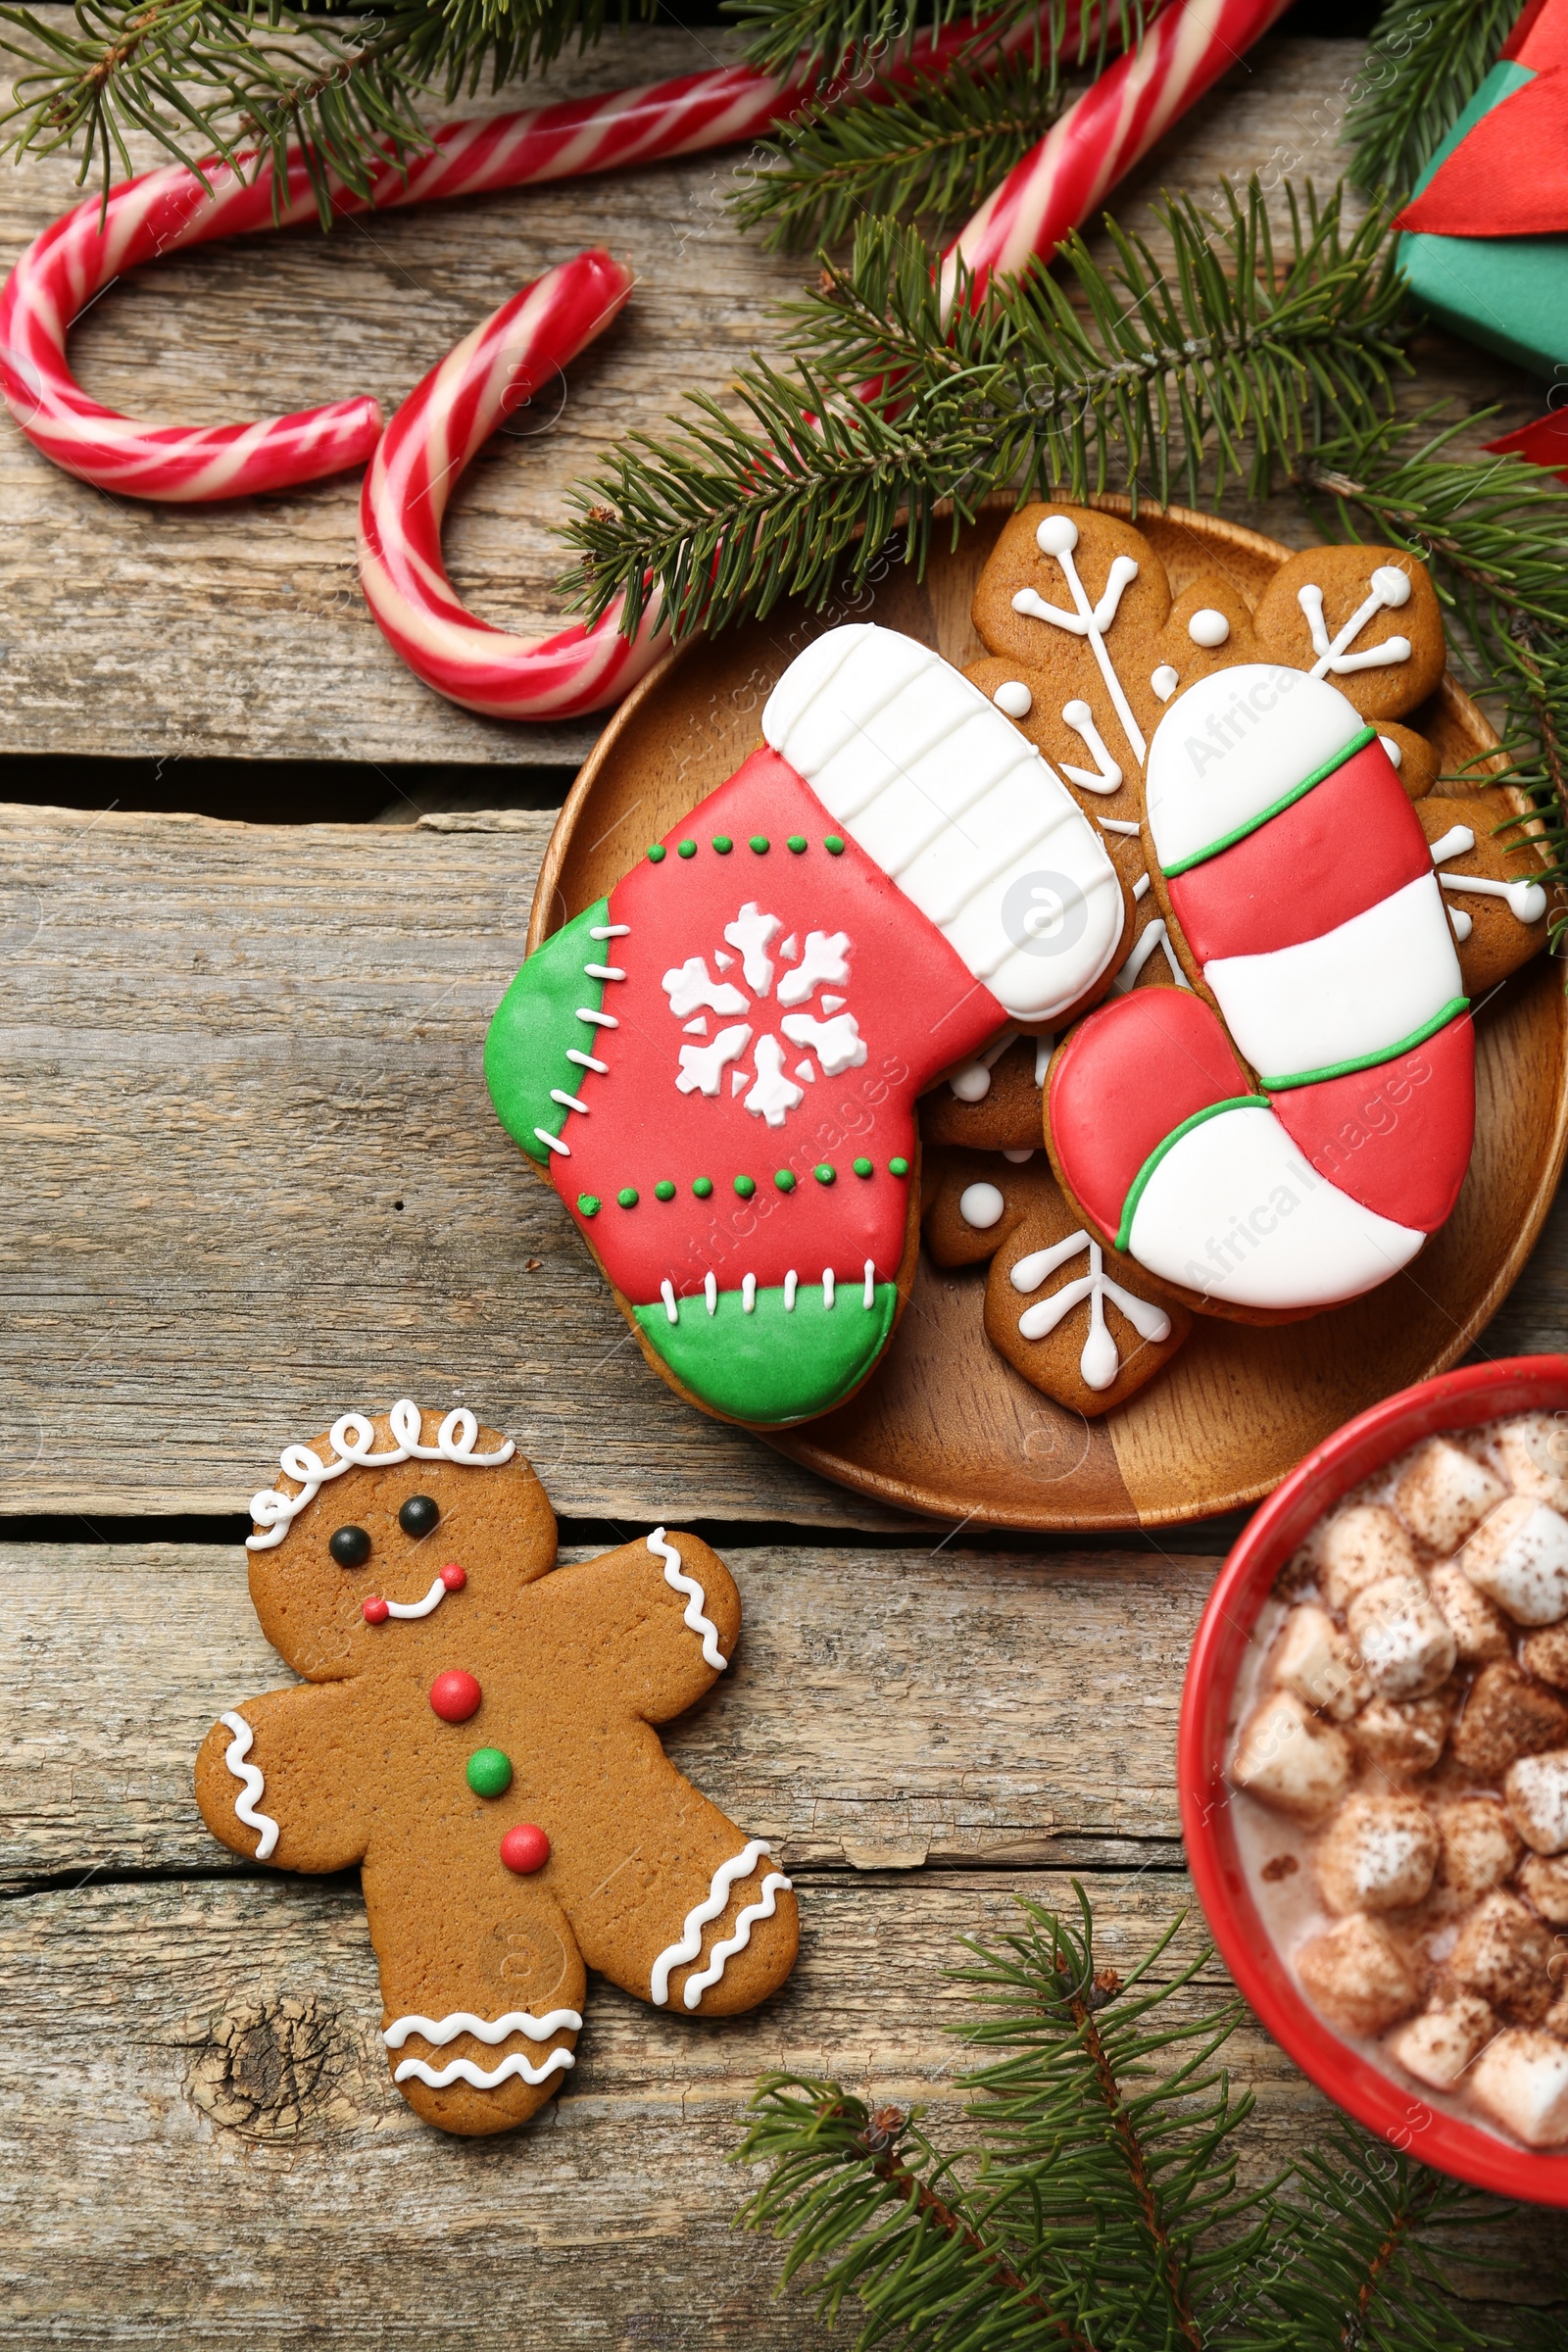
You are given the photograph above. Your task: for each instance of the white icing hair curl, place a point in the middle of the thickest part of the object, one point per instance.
(352, 1439)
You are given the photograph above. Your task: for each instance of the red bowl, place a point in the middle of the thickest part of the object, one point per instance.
(1456, 1400)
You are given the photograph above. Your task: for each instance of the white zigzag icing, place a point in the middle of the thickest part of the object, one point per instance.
(464, 2070)
(677, 1955)
(235, 1755)
(723, 1953)
(694, 1617)
(441, 2030)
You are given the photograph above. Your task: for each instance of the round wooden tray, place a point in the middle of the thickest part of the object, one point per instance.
(943, 1425)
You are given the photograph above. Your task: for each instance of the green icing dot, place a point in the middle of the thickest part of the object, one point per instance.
(824, 1172)
(796, 842)
(588, 1203)
(833, 843)
(760, 844)
(663, 1190)
(897, 1167)
(685, 848)
(627, 1196)
(863, 1167)
(722, 844)
(658, 853)
(489, 1772)
(785, 1180)
(701, 1186)
(745, 1186)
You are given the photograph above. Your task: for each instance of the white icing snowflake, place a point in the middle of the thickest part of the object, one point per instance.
(801, 967)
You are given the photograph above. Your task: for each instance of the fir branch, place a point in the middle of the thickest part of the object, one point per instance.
(849, 37)
(1427, 60)
(1235, 356)
(933, 151)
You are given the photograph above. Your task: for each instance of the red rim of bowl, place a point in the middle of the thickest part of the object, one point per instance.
(1455, 1400)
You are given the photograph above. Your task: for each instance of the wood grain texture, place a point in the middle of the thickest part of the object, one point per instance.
(240, 629)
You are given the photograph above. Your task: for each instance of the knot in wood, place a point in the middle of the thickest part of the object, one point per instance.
(291, 2068)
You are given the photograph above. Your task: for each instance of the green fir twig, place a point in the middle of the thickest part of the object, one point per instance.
(1426, 62)
(849, 37)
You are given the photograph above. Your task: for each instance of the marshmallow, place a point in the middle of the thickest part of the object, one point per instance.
(1479, 1849)
(1313, 1659)
(1445, 1492)
(1378, 1856)
(1503, 1952)
(1438, 2045)
(1357, 1975)
(1403, 1736)
(1290, 1759)
(1536, 1791)
(1544, 1879)
(1520, 1560)
(1522, 2081)
(1545, 1655)
(1361, 1546)
(1403, 1637)
(1506, 1715)
(1534, 1453)
(1479, 1632)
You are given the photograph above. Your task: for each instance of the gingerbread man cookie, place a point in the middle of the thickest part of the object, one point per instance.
(475, 1731)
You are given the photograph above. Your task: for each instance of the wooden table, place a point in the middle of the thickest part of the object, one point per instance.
(252, 1177)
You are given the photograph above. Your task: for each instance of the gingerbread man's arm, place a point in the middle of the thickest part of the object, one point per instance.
(665, 1607)
(275, 1782)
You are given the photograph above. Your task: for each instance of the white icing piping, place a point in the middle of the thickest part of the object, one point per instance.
(747, 1294)
(1045, 1046)
(352, 1438)
(1106, 776)
(1391, 588)
(1100, 1360)
(667, 1292)
(791, 1279)
(600, 1020)
(439, 2031)
(1057, 536)
(418, 1608)
(464, 2070)
(827, 1286)
(723, 1953)
(1118, 824)
(677, 1955)
(694, 1616)
(970, 1081)
(235, 1755)
(1526, 900)
(1154, 935)
(1139, 888)
(868, 1296)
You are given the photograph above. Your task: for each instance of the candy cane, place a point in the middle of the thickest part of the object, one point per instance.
(417, 465)
(1104, 133)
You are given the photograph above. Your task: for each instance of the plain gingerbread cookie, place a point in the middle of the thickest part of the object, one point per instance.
(474, 1731)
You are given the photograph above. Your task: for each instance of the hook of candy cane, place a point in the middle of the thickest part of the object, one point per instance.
(1103, 135)
(493, 373)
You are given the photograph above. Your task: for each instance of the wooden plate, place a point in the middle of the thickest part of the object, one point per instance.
(943, 1425)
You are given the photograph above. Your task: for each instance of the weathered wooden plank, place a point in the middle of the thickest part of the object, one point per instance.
(885, 1709)
(240, 629)
(216, 2044)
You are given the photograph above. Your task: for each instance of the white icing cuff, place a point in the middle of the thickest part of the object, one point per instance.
(679, 1581)
(689, 1948)
(235, 1755)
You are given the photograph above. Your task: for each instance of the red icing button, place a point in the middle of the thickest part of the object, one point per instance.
(452, 1577)
(455, 1696)
(377, 1611)
(525, 1848)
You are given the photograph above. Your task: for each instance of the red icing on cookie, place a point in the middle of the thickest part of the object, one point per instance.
(455, 1696)
(1396, 1138)
(1128, 1074)
(1348, 844)
(915, 1005)
(525, 1849)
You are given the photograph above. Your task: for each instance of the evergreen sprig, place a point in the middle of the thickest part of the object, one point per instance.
(849, 36)
(933, 152)
(1234, 356)
(1426, 62)
(1099, 2211)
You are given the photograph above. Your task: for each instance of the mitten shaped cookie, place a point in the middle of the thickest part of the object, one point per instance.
(1075, 1318)
(718, 1063)
(476, 1733)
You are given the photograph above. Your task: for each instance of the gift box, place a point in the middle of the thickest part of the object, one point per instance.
(1486, 234)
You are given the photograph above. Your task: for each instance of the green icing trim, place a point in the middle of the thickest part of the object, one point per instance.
(1140, 1182)
(772, 1367)
(534, 1023)
(1370, 1061)
(1287, 800)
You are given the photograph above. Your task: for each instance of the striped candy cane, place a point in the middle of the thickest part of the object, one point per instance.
(1104, 133)
(492, 372)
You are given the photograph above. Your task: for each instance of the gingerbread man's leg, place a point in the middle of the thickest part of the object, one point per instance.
(483, 2004)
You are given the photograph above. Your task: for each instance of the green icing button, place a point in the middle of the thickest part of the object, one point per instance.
(745, 1186)
(701, 1186)
(588, 1204)
(897, 1167)
(663, 1190)
(722, 844)
(760, 844)
(796, 842)
(658, 853)
(861, 1167)
(627, 1196)
(489, 1772)
(785, 1180)
(685, 848)
(833, 843)
(824, 1172)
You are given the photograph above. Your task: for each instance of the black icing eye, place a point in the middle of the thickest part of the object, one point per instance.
(419, 1514)
(349, 1548)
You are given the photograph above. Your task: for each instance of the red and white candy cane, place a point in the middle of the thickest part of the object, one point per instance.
(417, 464)
(1104, 133)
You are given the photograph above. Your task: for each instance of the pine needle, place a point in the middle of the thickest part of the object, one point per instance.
(1426, 62)
(855, 35)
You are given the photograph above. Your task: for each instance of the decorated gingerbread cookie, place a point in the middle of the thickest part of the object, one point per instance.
(716, 1064)
(474, 1731)
(1282, 1126)
(1078, 1320)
